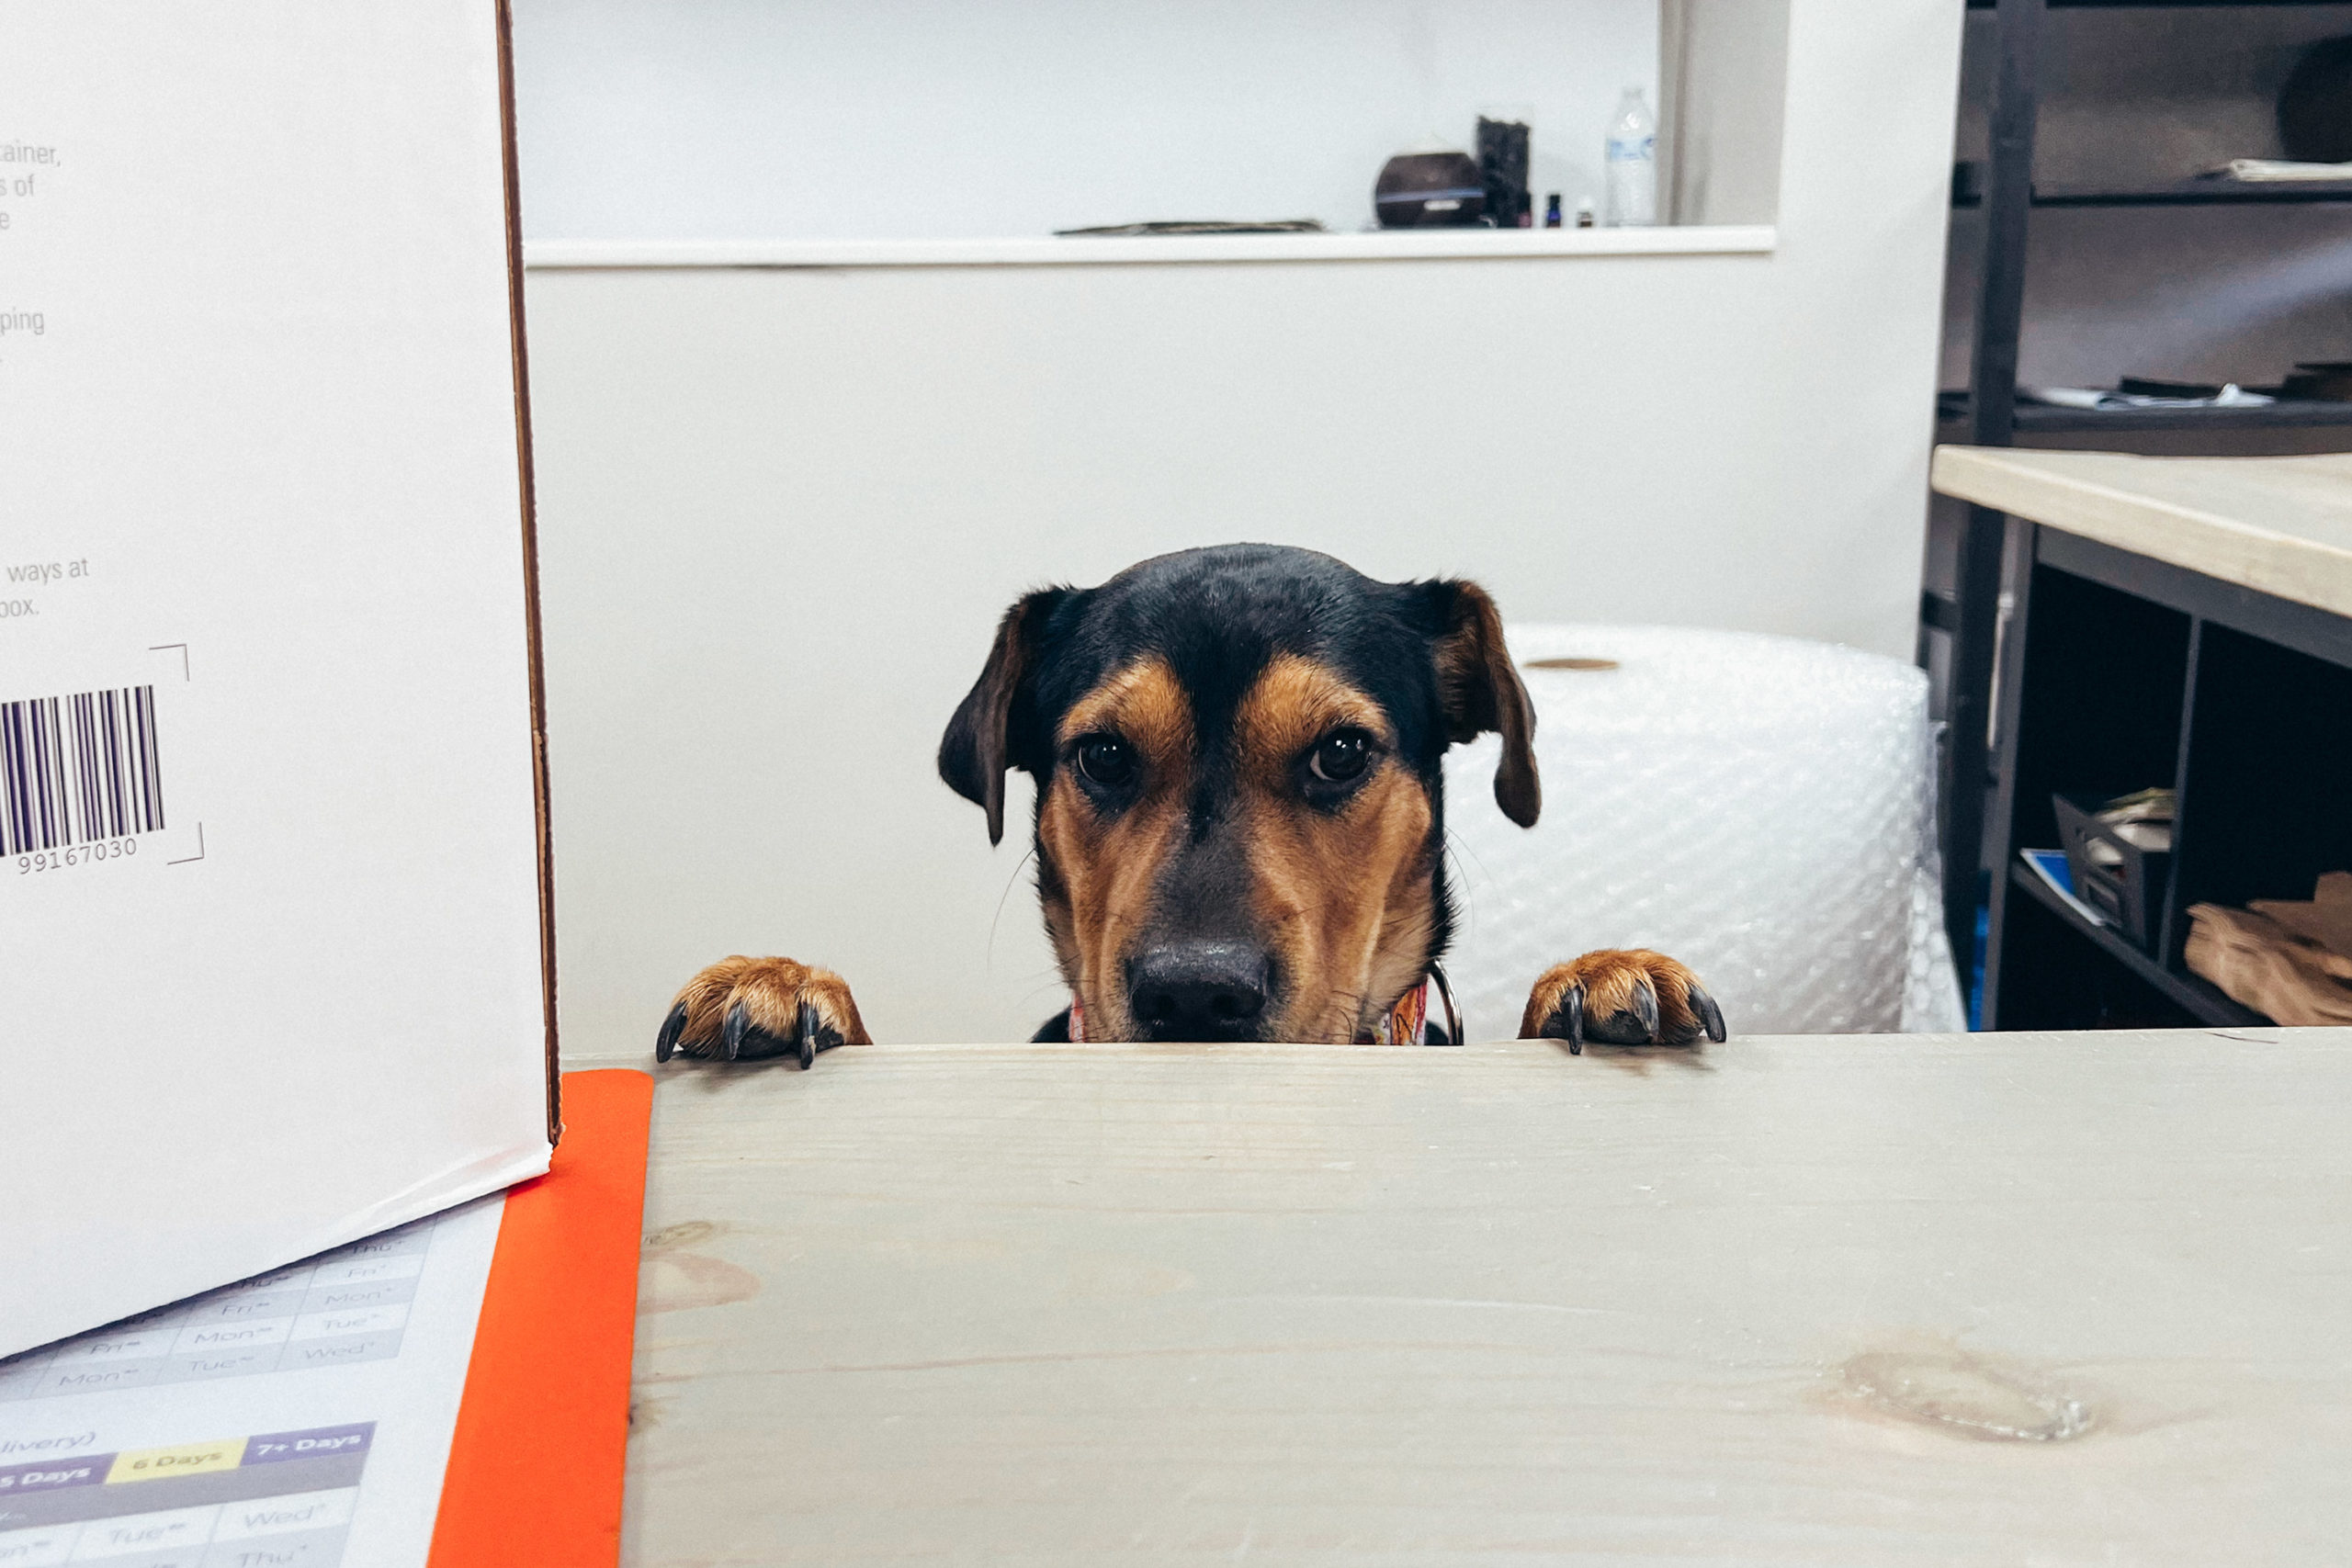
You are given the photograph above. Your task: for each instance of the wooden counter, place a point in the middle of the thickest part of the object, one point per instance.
(2052, 1299)
(2279, 525)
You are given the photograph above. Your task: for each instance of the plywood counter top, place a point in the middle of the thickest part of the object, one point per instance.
(2282, 525)
(1995, 1298)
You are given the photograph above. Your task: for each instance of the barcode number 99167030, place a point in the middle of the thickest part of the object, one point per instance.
(80, 854)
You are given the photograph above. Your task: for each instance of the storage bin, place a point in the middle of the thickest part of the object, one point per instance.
(2131, 892)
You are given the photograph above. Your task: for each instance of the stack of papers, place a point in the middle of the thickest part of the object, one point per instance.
(2283, 171)
(2232, 396)
(301, 1419)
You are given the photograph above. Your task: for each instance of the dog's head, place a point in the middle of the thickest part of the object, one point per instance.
(1241, 813)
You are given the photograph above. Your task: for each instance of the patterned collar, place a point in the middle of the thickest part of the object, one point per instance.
(1407, 1023)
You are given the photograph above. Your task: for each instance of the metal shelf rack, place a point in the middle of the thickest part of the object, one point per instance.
(1992, 414)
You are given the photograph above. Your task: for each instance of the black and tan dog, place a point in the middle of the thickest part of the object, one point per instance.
(1241, 816)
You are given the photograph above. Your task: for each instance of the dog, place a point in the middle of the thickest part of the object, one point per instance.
(1239, 818)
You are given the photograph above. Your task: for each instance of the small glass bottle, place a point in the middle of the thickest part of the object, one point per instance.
(1551, 210)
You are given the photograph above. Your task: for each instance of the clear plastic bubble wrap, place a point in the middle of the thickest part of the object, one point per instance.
(1759, 806)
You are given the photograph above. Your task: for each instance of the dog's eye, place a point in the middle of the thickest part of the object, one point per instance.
(1106, 760)
(1339, 759)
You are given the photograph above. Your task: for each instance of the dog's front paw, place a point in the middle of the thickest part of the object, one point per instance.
(742, 1008)
(1633, 996)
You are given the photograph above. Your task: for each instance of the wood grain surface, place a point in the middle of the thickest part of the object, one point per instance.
(2279, 525)
(1996, 1298)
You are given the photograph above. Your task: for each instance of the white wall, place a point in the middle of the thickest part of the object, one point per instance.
(910, 119)
(780, 510)
(1719, 137)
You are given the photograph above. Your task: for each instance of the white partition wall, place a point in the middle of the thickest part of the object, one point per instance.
(919, 119)
(781, 505)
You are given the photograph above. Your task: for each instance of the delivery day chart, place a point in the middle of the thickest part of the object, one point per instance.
(300, 1419)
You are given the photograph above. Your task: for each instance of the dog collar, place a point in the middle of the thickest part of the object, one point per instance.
(1407, 1023)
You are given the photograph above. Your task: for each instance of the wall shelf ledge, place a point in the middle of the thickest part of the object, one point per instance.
(1050, 250)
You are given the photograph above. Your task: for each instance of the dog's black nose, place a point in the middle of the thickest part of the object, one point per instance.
(1198, 990)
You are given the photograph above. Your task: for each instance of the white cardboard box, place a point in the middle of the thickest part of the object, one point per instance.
(273, 969)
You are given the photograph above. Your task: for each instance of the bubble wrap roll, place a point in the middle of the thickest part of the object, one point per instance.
(1757, 807)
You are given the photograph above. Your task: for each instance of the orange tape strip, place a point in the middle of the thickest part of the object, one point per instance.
(535, 1468)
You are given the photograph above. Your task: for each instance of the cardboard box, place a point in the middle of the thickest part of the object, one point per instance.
(273, 956)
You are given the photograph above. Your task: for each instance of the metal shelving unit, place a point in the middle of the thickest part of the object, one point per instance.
(1991, 415)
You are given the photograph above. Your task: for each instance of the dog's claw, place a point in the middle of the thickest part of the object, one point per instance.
(806, 1034)
(1708, 1013)
(730, 1038)
(665, 1043)
(1646, 1006)
(1566, 1021)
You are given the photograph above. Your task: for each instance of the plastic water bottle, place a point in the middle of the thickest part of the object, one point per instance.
(1633, 162)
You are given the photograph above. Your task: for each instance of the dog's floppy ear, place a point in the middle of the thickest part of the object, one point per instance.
(980, 740)
(1480, 690)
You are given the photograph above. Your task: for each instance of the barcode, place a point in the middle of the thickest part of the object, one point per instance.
(78, 769)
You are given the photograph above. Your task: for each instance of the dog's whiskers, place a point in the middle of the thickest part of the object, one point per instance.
(1347, 1013)
(1465, 901)
(989, 965)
